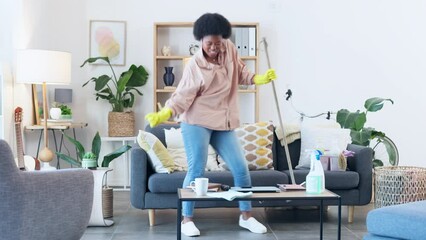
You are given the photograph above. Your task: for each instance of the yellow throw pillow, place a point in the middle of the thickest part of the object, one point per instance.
(256, 140)
(157, 152)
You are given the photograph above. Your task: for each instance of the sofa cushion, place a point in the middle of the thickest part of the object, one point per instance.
(158, 154)
(334, 180)
(323, 138)
(280, 158)
(176, 148)
(256, 140)
(169, 183)
(403, 221)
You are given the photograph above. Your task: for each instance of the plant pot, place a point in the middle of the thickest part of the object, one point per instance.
(107, 202)
(121, 124)
(89, 163)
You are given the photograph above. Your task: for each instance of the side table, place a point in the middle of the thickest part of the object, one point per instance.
(124, 141)
(97, 216)
(53, 128)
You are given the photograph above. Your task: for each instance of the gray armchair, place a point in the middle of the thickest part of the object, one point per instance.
(43, 204)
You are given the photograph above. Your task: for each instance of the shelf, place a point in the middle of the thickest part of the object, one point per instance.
(178, 37)
(183, 57)
(172, 57)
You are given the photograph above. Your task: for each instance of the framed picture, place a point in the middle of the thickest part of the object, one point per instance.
(108, 39)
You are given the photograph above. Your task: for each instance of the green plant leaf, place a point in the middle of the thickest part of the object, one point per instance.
(361, 137)
(108, 158)
(94, 59)
(78, 145)
(139, 76)
(377, 163)
(96, 145)
(101, 82)
(391, 152)
(377, 134)
(69, 159)
(375, 104)
(351, 120)
(122, 82)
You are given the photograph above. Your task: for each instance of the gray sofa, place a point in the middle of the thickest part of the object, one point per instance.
(53, 205)
(150, 190)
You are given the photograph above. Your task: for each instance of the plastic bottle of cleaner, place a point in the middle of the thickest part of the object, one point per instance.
(315, 181)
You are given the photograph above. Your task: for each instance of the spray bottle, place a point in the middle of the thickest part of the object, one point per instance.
(315, 181)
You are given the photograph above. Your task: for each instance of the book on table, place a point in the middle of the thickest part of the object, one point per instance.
(291, 187)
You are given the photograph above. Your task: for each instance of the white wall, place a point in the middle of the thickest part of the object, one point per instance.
(333, 54)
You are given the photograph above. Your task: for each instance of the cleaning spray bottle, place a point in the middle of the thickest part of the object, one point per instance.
(315, 181)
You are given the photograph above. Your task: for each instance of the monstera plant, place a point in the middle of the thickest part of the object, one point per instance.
(361, 135)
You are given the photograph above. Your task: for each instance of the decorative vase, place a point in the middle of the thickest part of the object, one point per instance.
(55, 113)
(169, 76)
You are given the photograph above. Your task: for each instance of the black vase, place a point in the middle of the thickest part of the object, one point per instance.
(168, 77)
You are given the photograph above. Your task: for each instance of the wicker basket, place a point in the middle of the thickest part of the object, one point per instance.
(107, 202)
(396, 185)
(121, 124)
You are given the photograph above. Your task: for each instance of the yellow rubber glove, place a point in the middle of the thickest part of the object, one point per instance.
(156, 118)
(265, 78)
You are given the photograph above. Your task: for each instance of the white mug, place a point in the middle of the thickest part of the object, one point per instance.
(200, 186)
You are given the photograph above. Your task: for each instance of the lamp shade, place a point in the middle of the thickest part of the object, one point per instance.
(43, 66)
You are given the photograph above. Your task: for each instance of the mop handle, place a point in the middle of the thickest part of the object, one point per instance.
(287, 153)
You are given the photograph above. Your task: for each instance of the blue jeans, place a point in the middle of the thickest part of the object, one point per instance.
(227, 145)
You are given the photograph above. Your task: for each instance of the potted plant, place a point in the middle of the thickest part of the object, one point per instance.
(66, 112)
(120, 93)
(60, 111)
(361, 135)
(90, 159)
(93, 154)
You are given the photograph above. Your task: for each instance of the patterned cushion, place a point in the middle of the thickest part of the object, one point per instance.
(256, 140)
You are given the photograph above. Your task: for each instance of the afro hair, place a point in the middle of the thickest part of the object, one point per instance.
(212, 24)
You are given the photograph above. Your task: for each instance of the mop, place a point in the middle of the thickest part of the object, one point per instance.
(287, 153)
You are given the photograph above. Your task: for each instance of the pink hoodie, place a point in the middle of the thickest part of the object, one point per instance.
(207, 94)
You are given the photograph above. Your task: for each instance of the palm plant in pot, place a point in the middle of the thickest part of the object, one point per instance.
(121, 93)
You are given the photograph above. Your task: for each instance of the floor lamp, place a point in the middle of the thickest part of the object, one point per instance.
(43, 67)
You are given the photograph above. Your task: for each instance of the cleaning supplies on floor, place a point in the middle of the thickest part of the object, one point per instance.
(315, 181)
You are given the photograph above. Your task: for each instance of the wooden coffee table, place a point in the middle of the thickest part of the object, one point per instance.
(189, 195)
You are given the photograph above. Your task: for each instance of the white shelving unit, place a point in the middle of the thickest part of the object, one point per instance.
(178, 35)
(126, 158)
